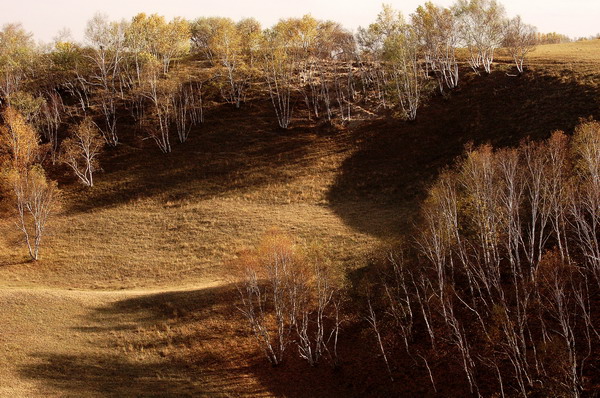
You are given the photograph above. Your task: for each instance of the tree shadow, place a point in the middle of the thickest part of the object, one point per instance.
(234, 150)
(141, 356)
(195, 343)
(111, 376)
(379, 188)
(174, 344)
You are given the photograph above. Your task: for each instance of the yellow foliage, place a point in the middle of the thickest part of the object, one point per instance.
(18, 140)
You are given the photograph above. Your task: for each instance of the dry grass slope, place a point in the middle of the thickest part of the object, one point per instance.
(132, 298)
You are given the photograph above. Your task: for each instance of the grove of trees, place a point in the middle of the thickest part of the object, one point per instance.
(504, 272)
(501, 278)
(505, 269)
(394, 63)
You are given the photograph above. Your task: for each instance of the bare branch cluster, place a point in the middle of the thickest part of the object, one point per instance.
(509, 266)
(289, 299)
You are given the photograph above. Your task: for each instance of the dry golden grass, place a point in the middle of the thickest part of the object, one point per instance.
(175, 219)
(98, 314)
(131, 296)
(147, 244)
(78, 344)
(577, 52)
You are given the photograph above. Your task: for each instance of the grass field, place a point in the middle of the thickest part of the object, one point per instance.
(132, 296)
(578, 52)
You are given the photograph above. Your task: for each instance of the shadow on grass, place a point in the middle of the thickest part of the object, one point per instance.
(235, 150)
(111, 376)
(147, 350)
(396, 161)
(178, 344)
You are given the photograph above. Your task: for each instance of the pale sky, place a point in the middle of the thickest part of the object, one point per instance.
(45, 18)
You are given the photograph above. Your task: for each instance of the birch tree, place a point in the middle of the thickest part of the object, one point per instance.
(393, 46)
(437, 29)
(373, 75)
(80, 151)
(174, 41)
(17, 51)
(407, 78)
(519, 40)
(35, 197)
(187, 108)
(330, 73)
(481, 27)
(203, 29)
(279, 65)
(139, 36)
(231, 47)
(510, 239)
(152, 34)
(290, 298)
(159, 92)
(107, 40)
(586, 210)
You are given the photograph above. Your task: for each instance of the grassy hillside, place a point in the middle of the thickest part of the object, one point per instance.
(579, 52)
(132, 296)
(155, 219)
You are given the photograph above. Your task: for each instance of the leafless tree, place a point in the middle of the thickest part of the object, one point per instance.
(106, 58)
(586, 205)
(510, 246)
(270, 296)
(290, 299)
(159, 91)
(187, 108)
(80, 151)
(519, 40)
